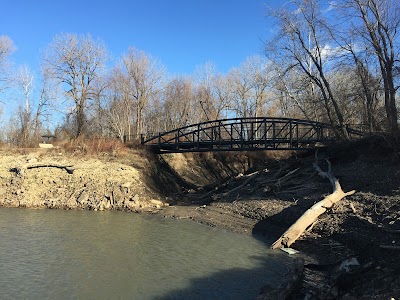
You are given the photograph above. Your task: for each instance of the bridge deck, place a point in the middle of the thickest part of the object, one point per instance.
(242, 134)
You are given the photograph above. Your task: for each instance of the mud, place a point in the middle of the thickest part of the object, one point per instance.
(365, 226)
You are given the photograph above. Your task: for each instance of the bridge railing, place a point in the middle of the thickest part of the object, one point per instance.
(245, 133)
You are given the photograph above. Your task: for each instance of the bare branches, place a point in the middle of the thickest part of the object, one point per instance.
(250, 83)
(143, 76)
(76, 61)
(24, 84)
(303, 43)
(380, 22)
(6, 49)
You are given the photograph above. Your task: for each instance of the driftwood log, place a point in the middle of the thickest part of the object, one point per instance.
(312, 214)
(250, 177)
(21, 170)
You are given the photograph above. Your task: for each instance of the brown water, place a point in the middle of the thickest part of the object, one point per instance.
(57, 254)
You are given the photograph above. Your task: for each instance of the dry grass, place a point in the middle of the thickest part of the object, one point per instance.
(82, 147)
(94, 146)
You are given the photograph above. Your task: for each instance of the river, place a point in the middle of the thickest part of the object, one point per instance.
(57, 254)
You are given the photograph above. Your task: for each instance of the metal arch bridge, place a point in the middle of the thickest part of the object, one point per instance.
(245, 134)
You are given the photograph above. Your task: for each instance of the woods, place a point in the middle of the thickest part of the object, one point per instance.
(333, 62)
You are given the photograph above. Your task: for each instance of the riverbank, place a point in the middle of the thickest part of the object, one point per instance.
(217, 191)
(364, 226)
(49, 178)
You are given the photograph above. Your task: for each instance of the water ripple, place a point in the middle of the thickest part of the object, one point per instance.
(56, 254)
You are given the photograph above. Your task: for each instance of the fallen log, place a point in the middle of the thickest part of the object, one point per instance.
(391, 247)
(250, 177)
(312, 214)
(21, 170)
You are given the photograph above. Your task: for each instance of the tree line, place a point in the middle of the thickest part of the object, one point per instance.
(334, 62)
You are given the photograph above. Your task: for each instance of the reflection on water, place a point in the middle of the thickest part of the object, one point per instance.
(60, 254)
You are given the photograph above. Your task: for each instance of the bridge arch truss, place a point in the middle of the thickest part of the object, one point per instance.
(240, 134)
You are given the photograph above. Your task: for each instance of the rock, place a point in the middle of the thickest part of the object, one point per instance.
(102, 205)
(83, 198)
(50, 203)
(107, 204)
(126, 185)
(157, 203)
(348, 265)
(117, 197)
(45, 146)
(130, 204)
(108, 194)
(71, 203)
(125, 188)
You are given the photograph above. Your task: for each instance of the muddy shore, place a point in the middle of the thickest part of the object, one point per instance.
(364, 226)
(256, 195)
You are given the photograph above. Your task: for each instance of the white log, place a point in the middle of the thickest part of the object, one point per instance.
(312, 214)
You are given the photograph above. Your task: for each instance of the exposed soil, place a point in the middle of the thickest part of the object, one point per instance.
(365, 225)
(255, 194)
(52, 179)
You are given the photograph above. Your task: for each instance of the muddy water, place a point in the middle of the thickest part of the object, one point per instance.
(58, 254)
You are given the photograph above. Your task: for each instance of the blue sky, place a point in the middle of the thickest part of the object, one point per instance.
(182, 34)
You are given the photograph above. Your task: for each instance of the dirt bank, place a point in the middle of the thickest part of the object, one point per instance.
(133, 181)
(52, 179)
(365, 226)
(255, 194)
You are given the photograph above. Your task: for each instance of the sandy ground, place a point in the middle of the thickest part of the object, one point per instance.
(52, 179)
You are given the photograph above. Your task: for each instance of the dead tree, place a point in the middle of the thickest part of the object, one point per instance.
(312, 214)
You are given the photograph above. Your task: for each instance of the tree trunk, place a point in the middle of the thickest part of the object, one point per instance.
(80, 120)
(390, 105)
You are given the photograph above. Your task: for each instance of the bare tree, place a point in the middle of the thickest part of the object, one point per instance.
(46, 103)
(241, 93)
(120, 104)
(97, 112)
(24, 84)
(205, 97)
(178, 103)
(76, 61)
(302, 45)
(144, 75)
(223, 90)
(294, 95)
(6, 49)
(249, 86)
(370, 85)
(367, 84)
(377, 22)
(260, 74)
